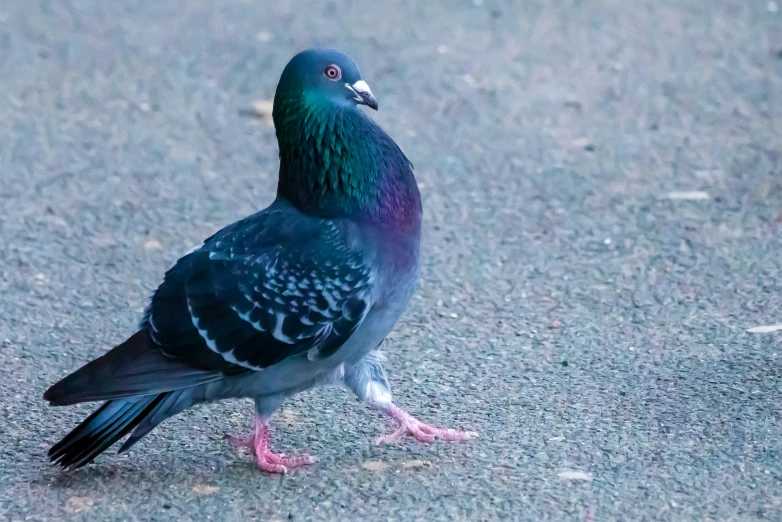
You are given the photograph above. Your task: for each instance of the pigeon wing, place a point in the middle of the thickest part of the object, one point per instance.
(269, 287)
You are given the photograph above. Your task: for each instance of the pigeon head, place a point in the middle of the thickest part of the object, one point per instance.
(323, 77)
(335, 161)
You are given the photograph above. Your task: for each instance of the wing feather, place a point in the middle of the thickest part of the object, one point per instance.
(267, 288)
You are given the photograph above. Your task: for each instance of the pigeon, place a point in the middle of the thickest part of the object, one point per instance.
(298, 295)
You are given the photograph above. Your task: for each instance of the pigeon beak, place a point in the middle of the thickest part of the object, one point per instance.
(362, 94)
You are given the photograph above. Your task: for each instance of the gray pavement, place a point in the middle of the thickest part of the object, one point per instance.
(602, 183)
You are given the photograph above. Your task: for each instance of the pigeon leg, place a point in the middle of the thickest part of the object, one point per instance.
(409, 425)
(258, 444)
(367, 379)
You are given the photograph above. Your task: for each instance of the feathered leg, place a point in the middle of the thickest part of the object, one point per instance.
(368, 380)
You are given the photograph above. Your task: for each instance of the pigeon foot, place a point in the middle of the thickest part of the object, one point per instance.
(409, 425)
(268, 461)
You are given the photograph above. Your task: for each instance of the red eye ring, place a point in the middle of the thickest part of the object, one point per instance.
(333, 72)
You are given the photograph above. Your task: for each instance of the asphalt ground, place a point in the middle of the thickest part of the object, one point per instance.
(602, 184)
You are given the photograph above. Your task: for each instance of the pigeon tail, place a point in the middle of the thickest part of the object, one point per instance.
(171, 404)
(104, 427)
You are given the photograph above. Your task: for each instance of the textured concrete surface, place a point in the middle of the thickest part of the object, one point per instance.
(602, 183)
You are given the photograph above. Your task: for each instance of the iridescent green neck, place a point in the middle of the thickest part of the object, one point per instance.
(336, 162)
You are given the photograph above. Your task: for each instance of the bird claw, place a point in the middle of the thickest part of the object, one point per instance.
(280, 463)
(268, 461)
(409, 425)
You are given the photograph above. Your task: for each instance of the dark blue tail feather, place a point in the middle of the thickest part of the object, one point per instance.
(104, 427)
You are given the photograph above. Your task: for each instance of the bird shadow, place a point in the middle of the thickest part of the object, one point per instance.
(136, 475)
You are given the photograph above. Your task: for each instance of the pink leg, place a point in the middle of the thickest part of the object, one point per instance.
(258, 444)
(409, 425)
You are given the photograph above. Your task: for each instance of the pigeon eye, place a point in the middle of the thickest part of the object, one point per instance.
(333, 72)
